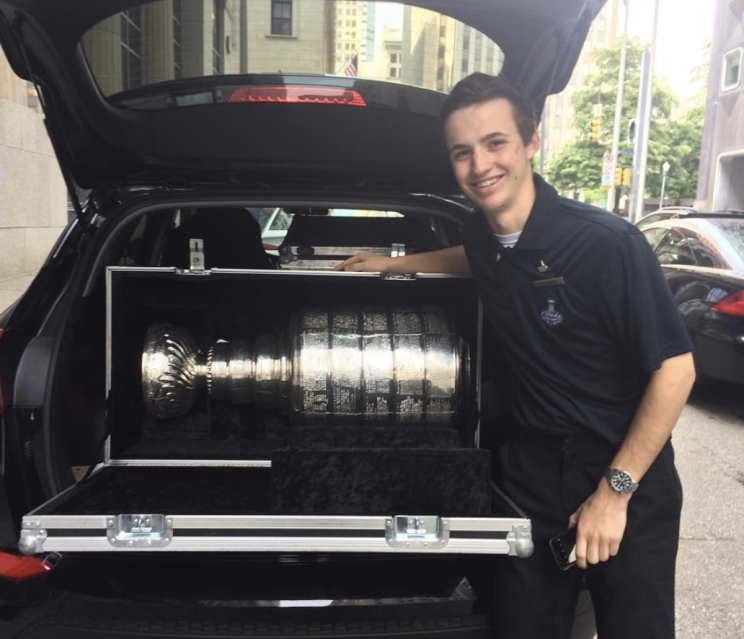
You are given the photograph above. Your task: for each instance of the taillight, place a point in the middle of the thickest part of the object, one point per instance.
(731, 305)
(270, 247)
(19, 568)
(298, 95)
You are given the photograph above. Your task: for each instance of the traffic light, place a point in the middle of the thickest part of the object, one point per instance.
(595, 133)
(627, 177)
(618, 177)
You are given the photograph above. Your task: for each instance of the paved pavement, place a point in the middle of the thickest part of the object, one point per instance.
(709, 444)
(11, 289)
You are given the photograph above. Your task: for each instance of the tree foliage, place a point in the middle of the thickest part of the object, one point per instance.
(673, 138)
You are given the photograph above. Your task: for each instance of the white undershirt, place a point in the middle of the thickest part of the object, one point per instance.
(508, 241)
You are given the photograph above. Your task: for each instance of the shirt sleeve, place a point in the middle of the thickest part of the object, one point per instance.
(638, 307)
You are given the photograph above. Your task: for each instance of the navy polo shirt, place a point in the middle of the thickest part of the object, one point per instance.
(581, 313)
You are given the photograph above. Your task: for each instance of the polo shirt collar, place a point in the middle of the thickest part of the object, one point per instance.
(538, 230)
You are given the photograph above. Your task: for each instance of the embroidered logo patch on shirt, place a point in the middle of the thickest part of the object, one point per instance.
(550, 315)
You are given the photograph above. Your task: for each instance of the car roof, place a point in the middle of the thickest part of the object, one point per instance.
(101, 143)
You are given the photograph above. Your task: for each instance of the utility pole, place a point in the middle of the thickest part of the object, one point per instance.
(543, 119)
(644, 125)
(610, 203)
(640, 129)
(664, 170)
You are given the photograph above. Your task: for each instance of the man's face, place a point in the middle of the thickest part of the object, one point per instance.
(489, 159)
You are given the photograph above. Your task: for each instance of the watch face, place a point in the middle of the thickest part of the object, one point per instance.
(621, 481)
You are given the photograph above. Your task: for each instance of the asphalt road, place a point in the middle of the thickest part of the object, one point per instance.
(709, 445)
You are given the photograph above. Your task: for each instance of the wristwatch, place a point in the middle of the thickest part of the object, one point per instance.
(620, 481)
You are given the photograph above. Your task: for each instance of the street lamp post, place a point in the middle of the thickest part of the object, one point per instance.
(664, 170)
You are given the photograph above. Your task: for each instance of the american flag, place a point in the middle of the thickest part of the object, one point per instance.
(351, 68)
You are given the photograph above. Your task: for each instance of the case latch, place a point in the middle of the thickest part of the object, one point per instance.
(409, 532)
(196, 255)
(139, 531)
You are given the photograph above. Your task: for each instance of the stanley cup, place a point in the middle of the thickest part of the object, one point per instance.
(342, 366)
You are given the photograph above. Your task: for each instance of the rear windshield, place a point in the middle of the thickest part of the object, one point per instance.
(189, 39)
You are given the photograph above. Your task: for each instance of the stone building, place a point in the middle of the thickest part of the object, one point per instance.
(559, 130)
(33, 196)
(438, 51)
(721, 181)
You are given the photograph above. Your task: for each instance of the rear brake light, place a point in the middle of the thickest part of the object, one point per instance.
(270, 247)
(298, 95)
(19, 568)
(731, 305)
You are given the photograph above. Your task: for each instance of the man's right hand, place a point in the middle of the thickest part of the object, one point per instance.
(365, 262)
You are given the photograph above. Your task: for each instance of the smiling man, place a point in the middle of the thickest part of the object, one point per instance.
(600, 366)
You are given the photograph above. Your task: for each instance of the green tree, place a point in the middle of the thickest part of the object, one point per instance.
(578, 168)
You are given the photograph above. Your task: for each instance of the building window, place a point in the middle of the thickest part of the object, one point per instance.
(131, 48)
(218, 37)
(393, 58)
(281, 17)
(731, 70)
(393, 72)
(465, 52)
(177, 36)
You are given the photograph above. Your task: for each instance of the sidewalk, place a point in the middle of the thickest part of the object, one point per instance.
(12, 289)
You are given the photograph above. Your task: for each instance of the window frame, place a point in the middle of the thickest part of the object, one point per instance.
(726, 57)
(282, 19)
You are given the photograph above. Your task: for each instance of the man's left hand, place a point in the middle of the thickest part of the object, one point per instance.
(601, 523)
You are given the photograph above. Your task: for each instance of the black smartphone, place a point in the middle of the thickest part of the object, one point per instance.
(564, 549)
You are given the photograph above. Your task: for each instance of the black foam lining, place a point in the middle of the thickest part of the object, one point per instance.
(362, 481)
(335, 482)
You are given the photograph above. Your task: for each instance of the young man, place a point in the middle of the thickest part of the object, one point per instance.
(600, 367)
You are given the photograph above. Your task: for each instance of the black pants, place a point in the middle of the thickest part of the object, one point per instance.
(633, 592)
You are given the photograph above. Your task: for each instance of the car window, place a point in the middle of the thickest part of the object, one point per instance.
(281, 221)
(674, 249)
(705, 252)
(733, 230)
(262, 216)
(653, 236)
(178, 40)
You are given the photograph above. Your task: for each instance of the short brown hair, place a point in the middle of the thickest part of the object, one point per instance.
(481, 87)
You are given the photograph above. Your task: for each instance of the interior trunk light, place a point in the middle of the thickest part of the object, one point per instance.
(731, 305)
(299, 95)
(19, 568)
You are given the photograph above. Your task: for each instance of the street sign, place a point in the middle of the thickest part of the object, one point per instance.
(608, 163)
(607, 179)
(626, 153)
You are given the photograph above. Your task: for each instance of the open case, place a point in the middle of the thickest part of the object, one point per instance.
(287, 411)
